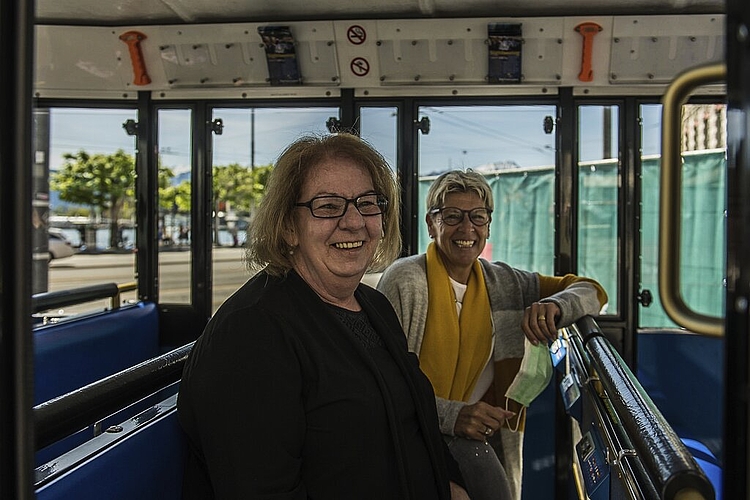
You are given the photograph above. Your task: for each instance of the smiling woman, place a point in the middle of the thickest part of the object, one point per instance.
(341, 358)
(296, 171)
(468, 320)
(331, 253)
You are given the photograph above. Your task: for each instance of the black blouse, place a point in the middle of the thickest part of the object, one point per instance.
(279, 399)
(418, 460)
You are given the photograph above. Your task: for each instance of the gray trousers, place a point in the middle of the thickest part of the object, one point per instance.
(482, 471)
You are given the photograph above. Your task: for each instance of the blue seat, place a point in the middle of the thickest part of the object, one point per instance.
(146, 463)
(75, 353)
(708, 462)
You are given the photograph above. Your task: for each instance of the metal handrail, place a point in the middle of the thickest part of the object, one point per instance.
(673, 469)
(631, 469)
(62, 298)
(66, 414)
(670, 205)
(123, 288)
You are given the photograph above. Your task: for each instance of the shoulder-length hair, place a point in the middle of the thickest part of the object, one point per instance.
(267, 247)
(459, 181)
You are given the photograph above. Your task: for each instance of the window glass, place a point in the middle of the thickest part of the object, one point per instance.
(703, 223)
(175, 168)
(379, 126)
(83, 206)
(598, 188)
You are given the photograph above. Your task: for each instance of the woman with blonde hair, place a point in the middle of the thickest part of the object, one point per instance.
(471, 322)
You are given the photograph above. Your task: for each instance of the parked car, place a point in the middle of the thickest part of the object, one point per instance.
(59, 246)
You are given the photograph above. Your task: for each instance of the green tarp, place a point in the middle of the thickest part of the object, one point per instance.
(522, 230)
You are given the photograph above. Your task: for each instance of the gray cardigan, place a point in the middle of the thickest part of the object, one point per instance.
(510, 292)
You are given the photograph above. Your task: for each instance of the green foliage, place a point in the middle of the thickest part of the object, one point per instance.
(105, 182)
(101, 181)
(74, 211)
(242, 187)
(176, 198)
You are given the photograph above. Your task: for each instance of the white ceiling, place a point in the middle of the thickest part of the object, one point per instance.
(143, 12)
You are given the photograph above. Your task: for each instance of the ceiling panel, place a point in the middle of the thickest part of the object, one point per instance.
(130, 12)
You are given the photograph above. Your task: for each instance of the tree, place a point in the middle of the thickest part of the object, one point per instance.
(104, 182)
(234, 184)
(241, 187)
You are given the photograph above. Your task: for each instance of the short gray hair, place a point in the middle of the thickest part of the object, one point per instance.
(459, 181)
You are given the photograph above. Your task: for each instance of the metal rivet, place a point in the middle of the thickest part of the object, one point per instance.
(742, 33)
(740, 304)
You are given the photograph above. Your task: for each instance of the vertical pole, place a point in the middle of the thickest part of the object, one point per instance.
(16, 355)
(40, 201)
(252, 138)
(607, 131)
(737, 327)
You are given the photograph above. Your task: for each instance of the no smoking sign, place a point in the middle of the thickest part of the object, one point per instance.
(356, 34)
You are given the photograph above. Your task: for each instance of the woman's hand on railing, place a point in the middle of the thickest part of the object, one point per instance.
(540, 322)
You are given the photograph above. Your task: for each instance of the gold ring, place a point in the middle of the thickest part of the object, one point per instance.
(541, 318)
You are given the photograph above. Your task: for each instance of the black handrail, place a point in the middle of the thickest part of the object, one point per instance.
(66, 414)
(667, 459)
(63, 298)
(643, 481)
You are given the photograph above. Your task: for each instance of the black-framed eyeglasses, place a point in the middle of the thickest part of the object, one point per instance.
(330, 207)
(453, 216)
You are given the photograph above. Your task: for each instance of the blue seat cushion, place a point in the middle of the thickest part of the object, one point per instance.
(75, 353)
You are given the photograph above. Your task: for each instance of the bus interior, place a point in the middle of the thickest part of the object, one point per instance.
(613, 134)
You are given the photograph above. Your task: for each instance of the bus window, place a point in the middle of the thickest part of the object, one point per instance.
(83, 209)
(379, 126)
(509, 145)
(240, 174)
(175, 160)
(598, 183)
(703, 248)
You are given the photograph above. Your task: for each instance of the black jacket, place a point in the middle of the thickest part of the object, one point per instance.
(280, 401)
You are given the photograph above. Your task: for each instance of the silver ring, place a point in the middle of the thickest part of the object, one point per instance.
(488, 431)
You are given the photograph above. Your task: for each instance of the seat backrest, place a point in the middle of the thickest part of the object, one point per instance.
(75, 353)
(145, 462)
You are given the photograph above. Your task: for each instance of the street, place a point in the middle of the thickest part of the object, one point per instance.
(229, 273)
(174, 273)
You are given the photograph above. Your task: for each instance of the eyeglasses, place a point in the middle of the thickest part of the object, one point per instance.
(330, 207)
(453, 216)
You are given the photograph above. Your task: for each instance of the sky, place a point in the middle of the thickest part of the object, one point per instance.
(459, 137)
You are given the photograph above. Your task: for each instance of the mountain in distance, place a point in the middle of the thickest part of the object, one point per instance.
(485, 168)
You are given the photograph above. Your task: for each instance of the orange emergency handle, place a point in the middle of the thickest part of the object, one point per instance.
(587, 31)
(133, 39)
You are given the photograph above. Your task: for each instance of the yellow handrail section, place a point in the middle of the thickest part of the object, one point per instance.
(670, 205)
(122, 288)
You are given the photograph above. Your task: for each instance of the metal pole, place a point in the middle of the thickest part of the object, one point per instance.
(16, 354)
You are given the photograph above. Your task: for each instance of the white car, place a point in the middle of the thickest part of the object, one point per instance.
(59, 246)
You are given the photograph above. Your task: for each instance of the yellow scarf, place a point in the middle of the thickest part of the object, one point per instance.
(455, 350)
